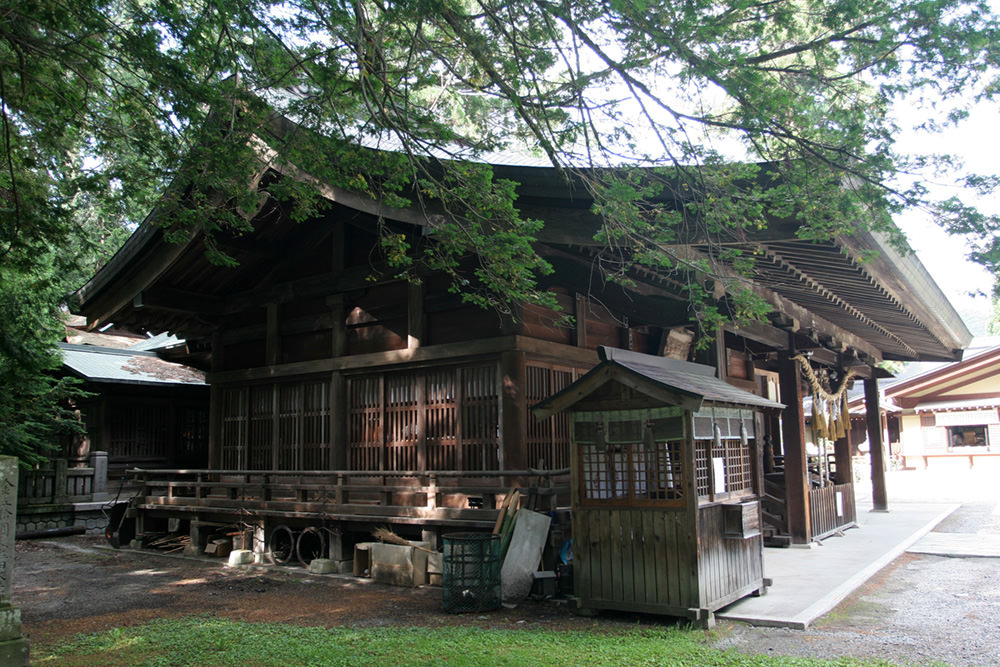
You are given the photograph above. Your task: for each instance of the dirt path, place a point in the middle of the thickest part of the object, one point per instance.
(70, 585)
(917, 610)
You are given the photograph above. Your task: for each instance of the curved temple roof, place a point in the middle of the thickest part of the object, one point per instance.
(855, 295)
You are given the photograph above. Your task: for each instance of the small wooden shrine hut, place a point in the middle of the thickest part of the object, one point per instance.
(342, 395)
(666, 486)
(143, 411)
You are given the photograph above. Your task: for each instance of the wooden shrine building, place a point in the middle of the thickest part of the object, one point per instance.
(344, 396)
(666, 486)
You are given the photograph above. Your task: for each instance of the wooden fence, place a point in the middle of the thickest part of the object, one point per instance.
(55, 482)
(831, 508)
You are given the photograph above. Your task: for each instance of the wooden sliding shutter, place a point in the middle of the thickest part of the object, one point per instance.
(548, 439)
(430, 419)
(284, 426)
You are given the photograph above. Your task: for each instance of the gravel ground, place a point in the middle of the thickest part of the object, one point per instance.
(918, 610)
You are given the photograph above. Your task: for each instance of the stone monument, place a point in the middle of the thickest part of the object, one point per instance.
(13, 647)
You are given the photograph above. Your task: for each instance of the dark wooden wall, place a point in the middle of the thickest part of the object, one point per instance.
(728, 567)
(635, 559)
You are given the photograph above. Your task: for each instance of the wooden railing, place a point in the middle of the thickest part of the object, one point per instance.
(55, 482)
(432, 497)
(831, 508)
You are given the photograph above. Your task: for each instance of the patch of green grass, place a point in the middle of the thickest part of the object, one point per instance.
(210, 641)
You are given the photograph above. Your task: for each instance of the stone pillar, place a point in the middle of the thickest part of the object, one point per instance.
(99, 462)
(59, 482)
(13, 647)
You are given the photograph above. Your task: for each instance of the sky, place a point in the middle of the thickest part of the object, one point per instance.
(977, 141)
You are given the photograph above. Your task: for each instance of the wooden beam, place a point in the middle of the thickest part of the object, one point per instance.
(793, 316)
(177, 301)
(354, 278)
(432, 354)
(873, 420)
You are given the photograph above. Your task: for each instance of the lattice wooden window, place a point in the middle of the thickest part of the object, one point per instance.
(723, 465)
(632, 474)
(234, 427)
(401, 413)
(701, 466)
(433, 419)
(739, 472)
(364, 424)
(723, 469)
(547, 439)
(632, 458)
(260, 454)
(284, 426)
(137, 431)
(315, 441)
(480, 419)
(440, 419)
(304, 426)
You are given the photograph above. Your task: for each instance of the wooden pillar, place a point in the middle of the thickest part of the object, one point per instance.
(721, 356)
(580, 313)
(873, 417)
(843, 460)
(414, 315)
(338, 421)
(215, 406)
(276, 427)
(338, 384)
(772, 429)
(272, 340)
(513, 412)
(793, 442)
(757, 454)
(338, 329)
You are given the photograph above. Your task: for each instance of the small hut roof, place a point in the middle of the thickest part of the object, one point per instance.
(687, 384)
(105, 364)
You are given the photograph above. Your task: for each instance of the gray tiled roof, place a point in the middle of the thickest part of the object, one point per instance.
(105, 364)
(695, 379)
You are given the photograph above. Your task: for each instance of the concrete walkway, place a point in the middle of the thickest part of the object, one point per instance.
(809, 582)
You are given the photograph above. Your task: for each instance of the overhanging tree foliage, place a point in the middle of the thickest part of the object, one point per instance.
(716, 116)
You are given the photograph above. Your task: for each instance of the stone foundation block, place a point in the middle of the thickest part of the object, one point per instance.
(398, 565)
(322, 566)
(239, 557)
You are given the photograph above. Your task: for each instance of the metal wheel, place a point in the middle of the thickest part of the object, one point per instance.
(282, 544)
(311, 545)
